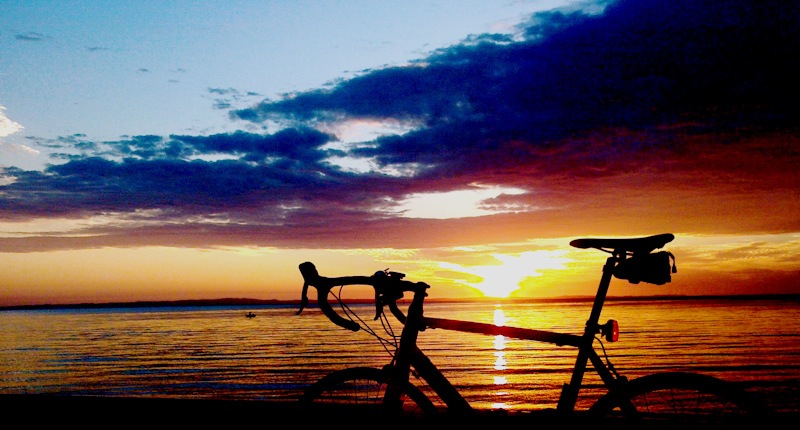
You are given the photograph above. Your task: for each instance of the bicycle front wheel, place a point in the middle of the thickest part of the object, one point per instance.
(362, 388)
(679, 397)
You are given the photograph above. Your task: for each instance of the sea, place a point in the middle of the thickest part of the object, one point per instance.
(218, 352)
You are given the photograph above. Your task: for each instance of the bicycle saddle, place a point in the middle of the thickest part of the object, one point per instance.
(636, 245)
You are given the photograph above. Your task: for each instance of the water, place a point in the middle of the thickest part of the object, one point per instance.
(216, 352)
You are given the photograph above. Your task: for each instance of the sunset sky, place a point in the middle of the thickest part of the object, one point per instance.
(155, 150)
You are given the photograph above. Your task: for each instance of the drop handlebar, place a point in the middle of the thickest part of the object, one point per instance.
(389, 287)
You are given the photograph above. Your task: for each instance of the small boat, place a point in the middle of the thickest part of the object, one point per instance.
(250, 315)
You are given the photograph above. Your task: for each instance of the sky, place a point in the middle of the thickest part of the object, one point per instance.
(169, 150)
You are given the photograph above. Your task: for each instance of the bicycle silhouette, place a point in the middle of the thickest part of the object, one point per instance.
(677, 396)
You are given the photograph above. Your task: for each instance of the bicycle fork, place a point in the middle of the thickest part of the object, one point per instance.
(408, 355)
(399, 372)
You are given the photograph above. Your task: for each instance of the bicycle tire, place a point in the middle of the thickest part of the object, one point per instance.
(362, 388)
(680, 397)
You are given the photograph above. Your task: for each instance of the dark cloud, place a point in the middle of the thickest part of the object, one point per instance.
(641, 66)
(656, 111)
(31, 36)
(162, 173)
(295, 144)
(226, 97)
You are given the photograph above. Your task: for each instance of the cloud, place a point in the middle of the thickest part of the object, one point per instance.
(639, 66)
(650, 115)
(7, 126)
(31, 36)
(226, 97)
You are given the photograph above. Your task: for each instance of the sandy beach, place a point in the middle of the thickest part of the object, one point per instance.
(102, 412)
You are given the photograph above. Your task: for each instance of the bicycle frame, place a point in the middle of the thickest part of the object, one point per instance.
(408, 354)
(670, 394)
(674, 395)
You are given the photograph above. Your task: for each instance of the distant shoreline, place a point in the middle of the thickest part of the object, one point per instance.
(260, 302)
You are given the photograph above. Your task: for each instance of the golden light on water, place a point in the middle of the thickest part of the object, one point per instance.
(500, 318)
(500, 363)
(499, 342)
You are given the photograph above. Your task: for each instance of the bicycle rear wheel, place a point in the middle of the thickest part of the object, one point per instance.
(361, 389)
(680, 397)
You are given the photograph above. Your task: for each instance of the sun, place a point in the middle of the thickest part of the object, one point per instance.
(501, 280)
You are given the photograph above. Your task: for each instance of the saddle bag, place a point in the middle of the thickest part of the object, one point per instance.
(654, 268)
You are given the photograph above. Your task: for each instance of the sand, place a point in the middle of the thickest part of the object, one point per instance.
(89, 412)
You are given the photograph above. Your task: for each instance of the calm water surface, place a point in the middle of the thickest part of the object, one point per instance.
(219, 353)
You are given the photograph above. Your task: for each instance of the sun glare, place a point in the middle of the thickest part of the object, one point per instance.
(501, 280)
(459, 204)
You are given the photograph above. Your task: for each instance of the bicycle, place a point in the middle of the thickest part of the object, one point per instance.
(389, 390)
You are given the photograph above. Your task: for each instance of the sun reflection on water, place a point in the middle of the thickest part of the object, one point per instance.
(500, 380)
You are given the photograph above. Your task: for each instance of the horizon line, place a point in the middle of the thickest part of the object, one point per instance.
(257, 302)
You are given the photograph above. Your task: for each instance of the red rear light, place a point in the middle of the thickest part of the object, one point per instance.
(611, 331)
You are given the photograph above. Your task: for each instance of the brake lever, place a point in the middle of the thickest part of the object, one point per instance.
(382, 288)
(378, 294)
(303, 298)
(378, 305)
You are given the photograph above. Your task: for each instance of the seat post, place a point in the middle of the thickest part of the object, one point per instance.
(602, 291)
(569, 393)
